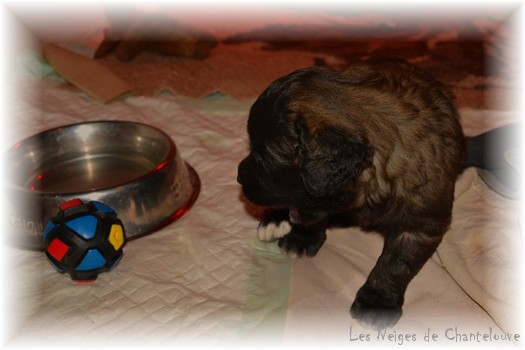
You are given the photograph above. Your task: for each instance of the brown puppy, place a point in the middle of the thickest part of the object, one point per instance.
(379, 143)
(128, 38)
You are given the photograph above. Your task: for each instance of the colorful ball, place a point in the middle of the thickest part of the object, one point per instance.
(84, 239)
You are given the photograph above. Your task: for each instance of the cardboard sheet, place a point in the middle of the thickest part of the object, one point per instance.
(89, 76)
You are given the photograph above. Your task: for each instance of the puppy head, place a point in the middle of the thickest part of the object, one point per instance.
(328, 158)
(299, 152)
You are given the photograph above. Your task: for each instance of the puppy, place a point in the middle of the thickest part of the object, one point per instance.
(154, 33)
(380, 143)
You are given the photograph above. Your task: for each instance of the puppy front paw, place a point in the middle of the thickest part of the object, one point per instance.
(269, 231)
(275, 225)
(373, 309)
(298, 243)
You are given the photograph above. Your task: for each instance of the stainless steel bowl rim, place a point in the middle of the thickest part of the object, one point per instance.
(170, 155)
(26, 226)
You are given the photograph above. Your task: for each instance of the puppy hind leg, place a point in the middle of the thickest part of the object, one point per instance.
(378, 302)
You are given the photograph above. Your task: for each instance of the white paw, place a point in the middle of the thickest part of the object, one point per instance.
(272, 231)
(291, 255)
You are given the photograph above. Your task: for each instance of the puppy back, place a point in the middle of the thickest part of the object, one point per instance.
(404, 116)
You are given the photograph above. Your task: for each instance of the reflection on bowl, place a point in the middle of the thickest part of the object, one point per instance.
(134, 168)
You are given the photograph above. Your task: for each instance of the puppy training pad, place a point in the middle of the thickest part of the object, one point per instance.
(482, 250)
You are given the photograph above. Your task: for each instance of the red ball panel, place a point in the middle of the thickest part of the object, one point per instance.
(70, 204)
(57, 249)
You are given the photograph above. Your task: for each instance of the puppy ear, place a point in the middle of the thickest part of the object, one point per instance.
(327, 158)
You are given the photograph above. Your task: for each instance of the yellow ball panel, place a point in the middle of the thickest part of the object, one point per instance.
(116, 236)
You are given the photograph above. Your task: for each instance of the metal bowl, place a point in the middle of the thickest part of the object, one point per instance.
(134, 168)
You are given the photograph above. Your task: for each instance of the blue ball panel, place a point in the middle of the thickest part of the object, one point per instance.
(102, 207)
(92, 260)
(84, 226)
(49, 227)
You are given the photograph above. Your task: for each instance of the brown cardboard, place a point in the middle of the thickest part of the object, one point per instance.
(94, 79)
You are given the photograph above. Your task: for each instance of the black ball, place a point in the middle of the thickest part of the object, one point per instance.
(84, 239)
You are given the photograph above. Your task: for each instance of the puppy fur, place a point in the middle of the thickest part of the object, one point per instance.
(380, 144)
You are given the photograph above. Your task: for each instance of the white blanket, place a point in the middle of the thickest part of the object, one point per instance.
(206, 280)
